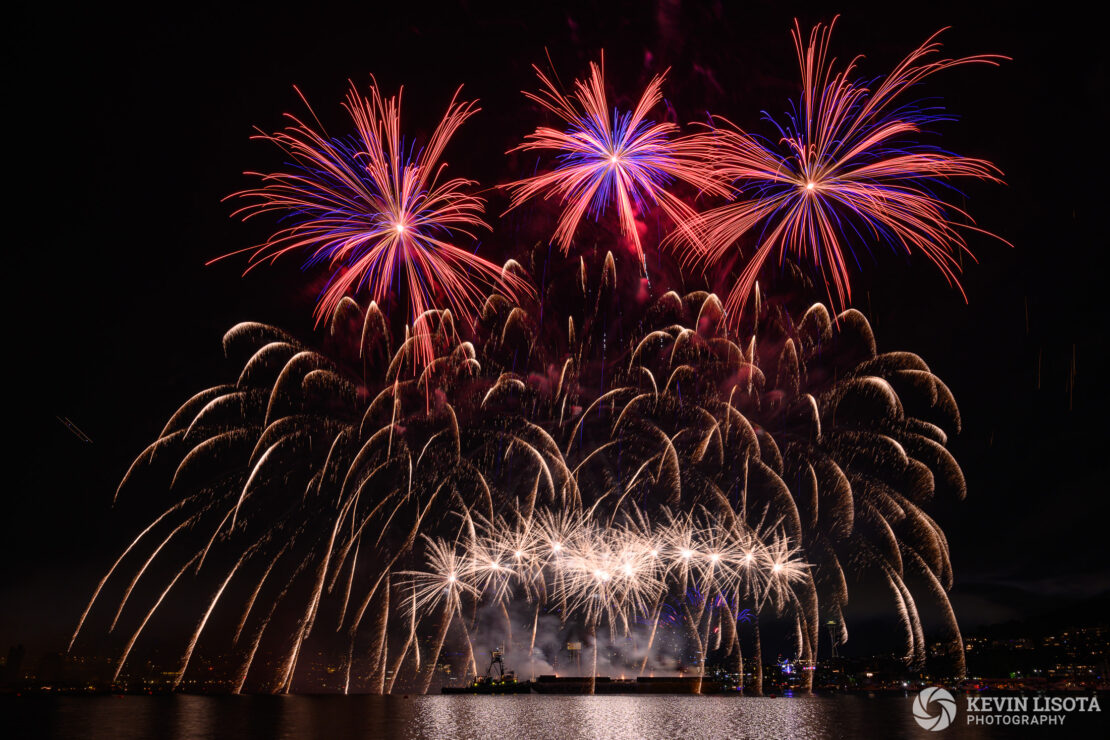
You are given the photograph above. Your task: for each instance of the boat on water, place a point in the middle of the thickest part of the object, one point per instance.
(504, 683)
(489, 685)
(609, 685)
(549, 684)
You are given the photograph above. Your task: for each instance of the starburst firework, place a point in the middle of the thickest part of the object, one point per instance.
(630, 462)
(611, 159)
(846, 170)
(382, 219)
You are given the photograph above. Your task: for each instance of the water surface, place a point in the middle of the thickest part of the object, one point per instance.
(182, 717)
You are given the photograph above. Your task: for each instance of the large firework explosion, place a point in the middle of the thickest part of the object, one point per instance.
(848, 169)
(378, 214)
(616, 158)
(568, 453)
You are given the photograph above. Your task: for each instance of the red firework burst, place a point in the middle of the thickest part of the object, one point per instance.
(380, 217)
(845, 169)
(604, 159)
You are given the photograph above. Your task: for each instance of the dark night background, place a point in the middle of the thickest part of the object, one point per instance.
(126, 128)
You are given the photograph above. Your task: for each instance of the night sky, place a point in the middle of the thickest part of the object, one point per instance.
(126, 130)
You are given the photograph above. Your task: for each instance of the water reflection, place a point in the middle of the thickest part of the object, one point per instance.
(473, 717)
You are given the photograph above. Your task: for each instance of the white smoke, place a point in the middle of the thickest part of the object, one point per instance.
(566, 649)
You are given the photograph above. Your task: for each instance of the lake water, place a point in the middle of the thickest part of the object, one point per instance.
(183, 717)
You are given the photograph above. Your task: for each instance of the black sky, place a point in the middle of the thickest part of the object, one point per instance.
(125, 129)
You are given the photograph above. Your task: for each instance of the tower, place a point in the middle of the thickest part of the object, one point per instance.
(832, 627)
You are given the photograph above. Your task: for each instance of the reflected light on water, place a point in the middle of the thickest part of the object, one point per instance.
(465, 717)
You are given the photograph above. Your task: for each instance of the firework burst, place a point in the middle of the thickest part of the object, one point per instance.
(614, 574)
(334, 491)
(662, 464)
(610, 159)
(846, 170)
(381, 218)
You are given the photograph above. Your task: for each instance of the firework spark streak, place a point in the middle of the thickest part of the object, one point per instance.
(611, 573)
(377, 214)
(671, 466)
(513, 488)
(845, 171)
(610, 159)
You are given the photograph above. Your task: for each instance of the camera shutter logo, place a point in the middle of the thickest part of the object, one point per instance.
(934, 708)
